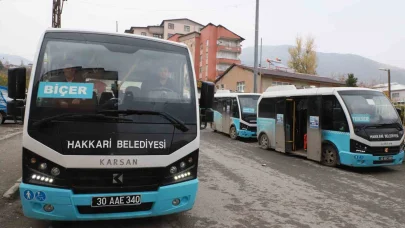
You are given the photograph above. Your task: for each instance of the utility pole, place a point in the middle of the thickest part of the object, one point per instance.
(389, 80)
(116, 26)
(256, 44)
(57, 7)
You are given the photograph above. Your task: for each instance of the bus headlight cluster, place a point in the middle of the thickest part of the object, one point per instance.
(183, 165)
(42, 178)
(183, 175)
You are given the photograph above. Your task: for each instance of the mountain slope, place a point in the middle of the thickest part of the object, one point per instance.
(329, 64)
(13, 59)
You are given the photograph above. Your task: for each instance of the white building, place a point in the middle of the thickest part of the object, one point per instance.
(397, 91)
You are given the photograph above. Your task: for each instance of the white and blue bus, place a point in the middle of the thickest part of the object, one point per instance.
(235, 113)
(336, 126)
(112, 128)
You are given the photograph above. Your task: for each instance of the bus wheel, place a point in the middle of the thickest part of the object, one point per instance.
(2, 118)
(232, 133)
(264, 141)
(329, 156)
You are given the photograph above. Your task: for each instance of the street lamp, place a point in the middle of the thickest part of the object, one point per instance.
(389, 80)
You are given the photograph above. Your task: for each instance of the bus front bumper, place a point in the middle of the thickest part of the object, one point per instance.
(369, 160)
(246, 134)
(72, 207)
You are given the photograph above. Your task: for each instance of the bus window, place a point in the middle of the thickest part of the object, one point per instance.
(333, 117)
(235, 108)
(267, 108)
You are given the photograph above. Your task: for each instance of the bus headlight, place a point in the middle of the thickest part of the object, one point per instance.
(46, 173)
(182, 170)
(358, 147)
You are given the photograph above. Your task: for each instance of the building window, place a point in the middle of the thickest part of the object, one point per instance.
(143, 33)
(187, 28)
(277, 83)
(157, 35)
(200, 69)
(395, 95)
(171, 26)
(240, 87)
(222, 86)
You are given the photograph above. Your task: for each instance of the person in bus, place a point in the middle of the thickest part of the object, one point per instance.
(161, 80)
(69, 75)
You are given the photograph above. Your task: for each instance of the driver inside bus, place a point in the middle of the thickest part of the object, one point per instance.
(160, 82)
(69, 75)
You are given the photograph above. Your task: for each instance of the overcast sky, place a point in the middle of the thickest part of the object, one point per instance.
(371, 28)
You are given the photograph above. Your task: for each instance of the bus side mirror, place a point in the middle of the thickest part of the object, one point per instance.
(399, 112)
(207, 94)
(16, 83)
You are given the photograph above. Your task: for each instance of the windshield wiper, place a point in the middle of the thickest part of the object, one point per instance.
(78, 116)
(176, 122)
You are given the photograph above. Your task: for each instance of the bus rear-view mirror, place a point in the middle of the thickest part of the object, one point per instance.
(16, 83)
(207, 94)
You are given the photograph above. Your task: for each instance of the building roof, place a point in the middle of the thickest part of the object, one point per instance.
(178, 19)
(283, 74)
(222, 27)
(394, 87)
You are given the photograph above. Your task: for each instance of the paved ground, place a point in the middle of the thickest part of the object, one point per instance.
(236, 190)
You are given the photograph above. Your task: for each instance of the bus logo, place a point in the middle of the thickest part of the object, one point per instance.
(386, 150)
(118, 178)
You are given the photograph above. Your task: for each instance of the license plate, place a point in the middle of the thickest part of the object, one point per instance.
(107, 201)
(386, 158)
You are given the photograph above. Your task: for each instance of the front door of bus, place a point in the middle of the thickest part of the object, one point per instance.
(280, 133)
(314, 133)
(226, 115)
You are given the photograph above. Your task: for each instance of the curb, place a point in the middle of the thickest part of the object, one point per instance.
(10, 135)
(13, 191)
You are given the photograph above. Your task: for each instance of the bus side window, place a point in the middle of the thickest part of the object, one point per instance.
(333, 117)
(267, 108)
(228, 105)
(235, 108)
(215, 104)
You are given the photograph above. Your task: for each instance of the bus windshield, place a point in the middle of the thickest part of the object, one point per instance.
(96, 75)
(369, 108)
(248, 103)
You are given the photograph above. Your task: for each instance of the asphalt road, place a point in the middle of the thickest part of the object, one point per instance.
(238, 190)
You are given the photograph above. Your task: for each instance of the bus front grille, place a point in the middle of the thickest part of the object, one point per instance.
(380, 151)
(114, 209)
(86, 181)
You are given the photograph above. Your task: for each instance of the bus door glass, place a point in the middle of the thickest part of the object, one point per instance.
(219, 120)
(314, 133)
(289, 120)
(280, 130)
(226, 123)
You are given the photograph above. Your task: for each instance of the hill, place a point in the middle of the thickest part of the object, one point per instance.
(13, 59)
(332, 64)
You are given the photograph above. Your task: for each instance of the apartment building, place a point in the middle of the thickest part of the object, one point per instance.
(167, 28)
(215, 48)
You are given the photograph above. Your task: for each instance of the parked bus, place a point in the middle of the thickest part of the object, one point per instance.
(112, 127)
(235, 113)
(348, 126)
(3, 103)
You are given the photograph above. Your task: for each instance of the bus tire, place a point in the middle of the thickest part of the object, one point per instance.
(329, 156)
(2, 117)
(264, 141)
(232, 133)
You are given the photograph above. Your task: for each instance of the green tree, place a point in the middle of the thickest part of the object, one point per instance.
(351, 81)
(1, 66)
(303, 60)
(3, 79)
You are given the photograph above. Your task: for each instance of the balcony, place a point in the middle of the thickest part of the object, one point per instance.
(236, 49)
(228, 61)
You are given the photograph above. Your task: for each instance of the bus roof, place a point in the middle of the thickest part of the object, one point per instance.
(234, 94)
(312, 91)
(55, 30)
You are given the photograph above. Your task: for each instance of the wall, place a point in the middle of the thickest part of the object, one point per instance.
(179, 27)
(401, 95)
(193, 43)
(138, 31)
(237, 74)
